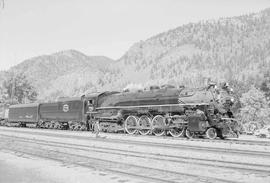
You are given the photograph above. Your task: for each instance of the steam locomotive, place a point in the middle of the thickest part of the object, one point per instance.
(160, 111)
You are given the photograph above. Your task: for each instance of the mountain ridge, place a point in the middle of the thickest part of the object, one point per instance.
(234, 49)
(43, 71)
(197, 47)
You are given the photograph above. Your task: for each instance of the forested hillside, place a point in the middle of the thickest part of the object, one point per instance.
(63, 73)
(235, 49)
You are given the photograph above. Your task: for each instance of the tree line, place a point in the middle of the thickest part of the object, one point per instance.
(16, 89)
(252, 106)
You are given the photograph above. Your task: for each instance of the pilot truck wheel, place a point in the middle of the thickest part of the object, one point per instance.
(211, 133)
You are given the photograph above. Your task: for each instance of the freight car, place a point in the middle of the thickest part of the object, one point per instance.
(66, 113)
(159, 111)
(23, 115)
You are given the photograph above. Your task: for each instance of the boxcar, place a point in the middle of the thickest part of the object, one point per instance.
(24, 113)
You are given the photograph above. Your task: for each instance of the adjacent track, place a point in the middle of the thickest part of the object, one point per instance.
(152, 174)
(221, 141)
(151, 144)
(134, 162)
(172, 158)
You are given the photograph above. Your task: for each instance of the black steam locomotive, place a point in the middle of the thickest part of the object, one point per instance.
(159, 110)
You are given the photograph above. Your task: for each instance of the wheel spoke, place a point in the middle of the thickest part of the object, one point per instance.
(131, 124)
(145, 125)
(177, 129)
(158, 125)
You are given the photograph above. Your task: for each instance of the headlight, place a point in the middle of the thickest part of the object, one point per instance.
(203, 125)
(232, 100)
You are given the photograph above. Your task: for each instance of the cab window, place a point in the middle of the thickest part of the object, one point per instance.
(90, 102)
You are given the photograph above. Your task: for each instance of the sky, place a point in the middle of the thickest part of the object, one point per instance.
(30, 28)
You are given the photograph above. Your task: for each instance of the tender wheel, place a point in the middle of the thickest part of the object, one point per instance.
(131, 124)
(40, 124)
(71, 127)
(83, 127)
(57, 125)
(189, 134)
(145, 125)
(158, 125)
(211, 133)
(47, 125)
(80, 126)
(52, 123)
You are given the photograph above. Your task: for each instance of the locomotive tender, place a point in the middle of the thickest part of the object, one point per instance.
(159, 111)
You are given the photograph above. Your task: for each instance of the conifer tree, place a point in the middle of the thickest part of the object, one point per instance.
(255, 108)
(17, 89)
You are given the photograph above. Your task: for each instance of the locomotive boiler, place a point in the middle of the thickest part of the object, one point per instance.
(176, 111)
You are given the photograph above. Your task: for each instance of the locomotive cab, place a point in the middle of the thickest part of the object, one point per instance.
(90, 102)
(90, 105)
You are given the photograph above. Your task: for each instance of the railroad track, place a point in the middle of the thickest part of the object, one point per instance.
(224, 141)
(173, 158)
(232, 151)
(84, 157)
